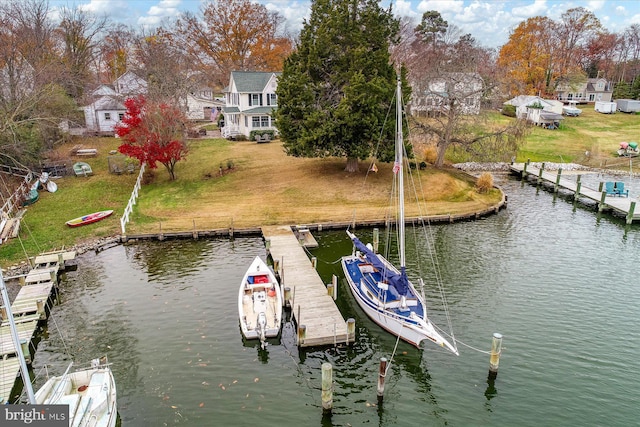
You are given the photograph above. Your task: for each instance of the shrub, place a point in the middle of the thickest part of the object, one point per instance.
(509, 110)
(430, 154)
(484, 183)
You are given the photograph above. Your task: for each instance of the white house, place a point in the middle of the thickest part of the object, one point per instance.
(107, 108)
(589, 91)
(200, 105)
(434, 95)
(539, 111)
(250, 100)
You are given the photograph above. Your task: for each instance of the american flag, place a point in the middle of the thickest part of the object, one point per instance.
(396, 167)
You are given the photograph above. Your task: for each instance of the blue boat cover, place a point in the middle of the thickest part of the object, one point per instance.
(399, 281)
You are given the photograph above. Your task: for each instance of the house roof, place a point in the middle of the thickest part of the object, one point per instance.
(230, 110)
(108, 103)
(260, 110)
(526, 100)
(251, 81)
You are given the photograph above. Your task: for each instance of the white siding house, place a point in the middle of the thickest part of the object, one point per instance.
(539, 111)
(250, 100)
(434, 96)
(107, 108)
(200, 104)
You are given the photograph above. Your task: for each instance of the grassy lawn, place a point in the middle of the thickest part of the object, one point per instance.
(242, 184)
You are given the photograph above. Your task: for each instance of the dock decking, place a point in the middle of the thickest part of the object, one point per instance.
(311, 305)
(624, 205)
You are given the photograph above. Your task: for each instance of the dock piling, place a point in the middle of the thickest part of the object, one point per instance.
(496, 349)
(382, 373)
(327, 388)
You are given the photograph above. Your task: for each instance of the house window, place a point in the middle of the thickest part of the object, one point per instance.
(107, 116)
(272, 99)
(260, 121)
(592, 97)
(120, 116)
(254, 99)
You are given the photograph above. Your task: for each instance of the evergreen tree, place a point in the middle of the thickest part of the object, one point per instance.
(336, 89)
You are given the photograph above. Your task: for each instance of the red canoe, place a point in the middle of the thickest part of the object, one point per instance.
(88, 219)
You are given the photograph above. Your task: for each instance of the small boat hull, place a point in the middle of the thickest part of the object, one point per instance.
(90, 394)
(89, 219)
(82, 169)
(31, 197)
(260, 303)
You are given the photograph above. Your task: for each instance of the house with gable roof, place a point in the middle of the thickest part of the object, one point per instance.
(592, 90)
(250, 100)
(107, 108)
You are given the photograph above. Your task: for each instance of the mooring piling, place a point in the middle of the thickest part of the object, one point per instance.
(496, 349)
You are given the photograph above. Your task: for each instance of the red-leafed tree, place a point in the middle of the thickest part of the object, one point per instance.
(153, 133)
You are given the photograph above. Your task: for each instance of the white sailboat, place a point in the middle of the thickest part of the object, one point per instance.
(90, 393)
(383, 291)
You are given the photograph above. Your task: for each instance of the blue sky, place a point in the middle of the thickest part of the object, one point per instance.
(489, 21)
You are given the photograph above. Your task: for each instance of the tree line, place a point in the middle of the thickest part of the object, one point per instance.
(50, 62)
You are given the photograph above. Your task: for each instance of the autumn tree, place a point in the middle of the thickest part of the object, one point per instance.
(32, 104)
(79, 33)
(153, 133)
(527, 57)
(336, 89)
(230, 35)
(116, 51)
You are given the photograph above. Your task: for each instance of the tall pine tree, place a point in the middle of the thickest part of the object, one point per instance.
(336, 88)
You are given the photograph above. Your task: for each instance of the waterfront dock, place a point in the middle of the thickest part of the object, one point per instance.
(31, 305)
(311, 305)
(625, 206)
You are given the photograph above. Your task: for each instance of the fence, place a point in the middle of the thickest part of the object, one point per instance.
(132, 201)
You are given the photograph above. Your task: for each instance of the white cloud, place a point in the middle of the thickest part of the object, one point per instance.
(537, 8)
(442, 6)
(156, 13)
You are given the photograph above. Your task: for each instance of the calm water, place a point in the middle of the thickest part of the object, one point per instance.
(557, 280)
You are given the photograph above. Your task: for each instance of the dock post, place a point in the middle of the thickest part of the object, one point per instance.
(601, 204)
(314, 262)
(195, 232)
(330, 289)
(496, 349)
(524, 169)
(578, 185)
(540, 173)
(24, 345)
(160, 235)
(632, 208)
(61, 260)
(382, 374)
(327, 388)
(41, 309)
(302, 332)
(287, 296)
(376, 239)
(22, 280)
(555, 189)
(334, 282)
(600, 186)
(351, 329)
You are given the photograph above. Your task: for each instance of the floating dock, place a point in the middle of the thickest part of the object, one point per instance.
(31, 305)
(313, 309)
(623, 205)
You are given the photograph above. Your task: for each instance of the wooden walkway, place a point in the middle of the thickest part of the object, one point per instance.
(311, 304)
(31, 305)
(623, 205)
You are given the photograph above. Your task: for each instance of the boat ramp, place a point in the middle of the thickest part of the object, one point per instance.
(604, 198)
(314, 310)
(31, 306)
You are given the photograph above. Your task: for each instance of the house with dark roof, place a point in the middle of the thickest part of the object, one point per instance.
(107, 108)
(250, 101)
(589, 91)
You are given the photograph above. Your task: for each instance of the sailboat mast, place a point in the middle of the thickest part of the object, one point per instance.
(16, 342)
(399, 169)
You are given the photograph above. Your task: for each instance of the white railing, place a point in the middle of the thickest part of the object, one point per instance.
(14, 202)
(132, 201)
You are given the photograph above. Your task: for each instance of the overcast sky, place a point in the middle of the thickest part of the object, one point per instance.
(488, 21)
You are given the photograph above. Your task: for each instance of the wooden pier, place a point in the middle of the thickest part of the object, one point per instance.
(312, 307)
(31, 305)
(623, 205)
